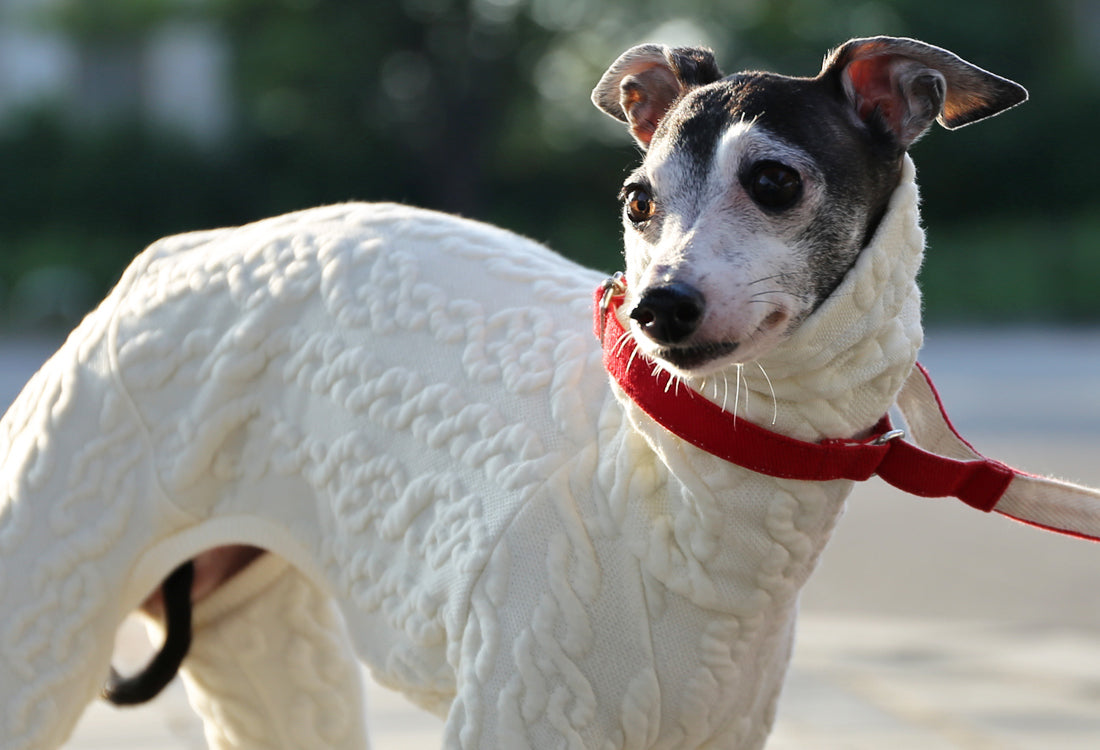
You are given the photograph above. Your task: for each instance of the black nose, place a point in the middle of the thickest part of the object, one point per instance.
(669, 314)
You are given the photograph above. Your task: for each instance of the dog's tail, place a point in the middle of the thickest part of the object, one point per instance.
(147, 684)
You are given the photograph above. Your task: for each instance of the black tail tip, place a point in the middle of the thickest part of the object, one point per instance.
(149, 682)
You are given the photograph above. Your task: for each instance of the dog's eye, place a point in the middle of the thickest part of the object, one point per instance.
(639, 205)
(774, 186)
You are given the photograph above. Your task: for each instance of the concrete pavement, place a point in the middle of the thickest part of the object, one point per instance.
(859, 682)
(928, 625)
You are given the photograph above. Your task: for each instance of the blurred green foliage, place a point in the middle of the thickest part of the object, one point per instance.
(481, 107)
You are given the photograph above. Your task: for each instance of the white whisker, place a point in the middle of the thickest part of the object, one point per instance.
(737, 392)
(775, 401)
(621, 342)
(630, 361)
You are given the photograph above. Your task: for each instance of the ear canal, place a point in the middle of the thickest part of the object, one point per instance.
(642, 85)
(904, 85)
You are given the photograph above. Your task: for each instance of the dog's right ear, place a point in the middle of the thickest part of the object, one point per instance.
(903, 85)
(641, 86)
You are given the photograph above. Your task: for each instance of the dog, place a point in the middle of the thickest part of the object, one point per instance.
(377, 433)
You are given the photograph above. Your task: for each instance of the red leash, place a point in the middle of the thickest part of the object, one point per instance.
(978, 481)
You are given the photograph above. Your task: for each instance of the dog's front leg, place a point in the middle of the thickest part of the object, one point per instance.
(270, 666)
(552, 654)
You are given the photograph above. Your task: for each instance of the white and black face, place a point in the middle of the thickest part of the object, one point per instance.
(758, 191)
(737, 225)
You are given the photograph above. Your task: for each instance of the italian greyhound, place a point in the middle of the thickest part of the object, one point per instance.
(745, 223)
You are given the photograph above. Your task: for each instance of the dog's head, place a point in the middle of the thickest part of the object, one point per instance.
(758, 191)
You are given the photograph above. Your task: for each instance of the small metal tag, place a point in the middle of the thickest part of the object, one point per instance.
(886, 437)
(612, 286)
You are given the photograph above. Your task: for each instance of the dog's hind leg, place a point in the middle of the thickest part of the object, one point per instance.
(270, 666)
(79, 501)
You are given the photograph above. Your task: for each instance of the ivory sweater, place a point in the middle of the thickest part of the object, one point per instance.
(411, 410)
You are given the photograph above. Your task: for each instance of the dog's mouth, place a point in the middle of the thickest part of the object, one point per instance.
(689, 358)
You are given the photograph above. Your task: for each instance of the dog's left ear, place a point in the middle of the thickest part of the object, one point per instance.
(902, 85)
(641, 86)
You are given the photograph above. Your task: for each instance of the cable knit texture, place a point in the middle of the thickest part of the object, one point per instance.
(411, 409)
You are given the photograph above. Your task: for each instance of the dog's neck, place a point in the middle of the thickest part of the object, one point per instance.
(723, 527)
(841, 369)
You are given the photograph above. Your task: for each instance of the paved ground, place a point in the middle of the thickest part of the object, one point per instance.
(928, 626)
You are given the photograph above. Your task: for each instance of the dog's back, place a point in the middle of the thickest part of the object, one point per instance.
(324, 385)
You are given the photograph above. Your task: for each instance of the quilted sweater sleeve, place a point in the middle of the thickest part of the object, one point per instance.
(270, 667)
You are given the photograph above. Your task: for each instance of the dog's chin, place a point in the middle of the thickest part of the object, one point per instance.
(696, 361)
(703, 360)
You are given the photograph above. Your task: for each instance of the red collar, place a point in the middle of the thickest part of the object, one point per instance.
(979, 483)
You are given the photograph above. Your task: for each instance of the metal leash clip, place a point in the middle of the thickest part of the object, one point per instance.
(886, 437)
(612, 286)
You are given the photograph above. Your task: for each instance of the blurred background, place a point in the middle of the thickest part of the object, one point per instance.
(928, 625)
(124, 120)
